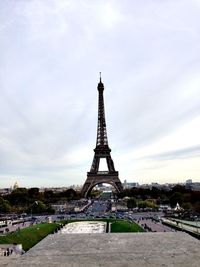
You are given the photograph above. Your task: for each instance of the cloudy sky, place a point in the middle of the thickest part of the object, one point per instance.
(51, 53)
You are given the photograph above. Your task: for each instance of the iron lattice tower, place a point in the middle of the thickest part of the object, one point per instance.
(102, 150)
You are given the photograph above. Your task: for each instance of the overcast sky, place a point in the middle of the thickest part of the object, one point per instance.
(51, 53)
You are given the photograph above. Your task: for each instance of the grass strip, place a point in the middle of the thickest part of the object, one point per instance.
(125, 226)
(29, 236)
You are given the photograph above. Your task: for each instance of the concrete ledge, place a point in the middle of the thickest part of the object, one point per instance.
(136, 249)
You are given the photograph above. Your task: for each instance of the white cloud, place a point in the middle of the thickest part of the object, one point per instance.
(51, 54)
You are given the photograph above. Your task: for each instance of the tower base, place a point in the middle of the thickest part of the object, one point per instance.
(98, 178)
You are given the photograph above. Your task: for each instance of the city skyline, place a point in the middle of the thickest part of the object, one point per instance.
(51, 55)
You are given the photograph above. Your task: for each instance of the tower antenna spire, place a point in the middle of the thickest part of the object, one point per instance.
(100, 76)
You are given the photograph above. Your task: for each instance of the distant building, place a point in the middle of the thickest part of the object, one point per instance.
(104, 187)
(5, 191)
(15, 186)
(188, 184)
(145, 186)
(156, 185)
(195, 186)
(130, 185)
(189, 181)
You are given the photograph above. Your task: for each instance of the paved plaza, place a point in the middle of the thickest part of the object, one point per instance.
(172, 249)
(84, 227)
(155, 226)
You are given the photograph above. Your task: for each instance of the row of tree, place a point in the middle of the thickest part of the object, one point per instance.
(132, 203)
(32, 200)
(187, 198)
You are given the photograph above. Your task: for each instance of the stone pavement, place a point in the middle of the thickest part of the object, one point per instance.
(15, 227)
(84, 227)
(5, 261)
(155, 226)
(8, 252)
(125, 249)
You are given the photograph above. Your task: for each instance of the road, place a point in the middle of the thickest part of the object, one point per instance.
(101, 209)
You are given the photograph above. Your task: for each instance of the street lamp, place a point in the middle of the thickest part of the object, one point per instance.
(35, 202)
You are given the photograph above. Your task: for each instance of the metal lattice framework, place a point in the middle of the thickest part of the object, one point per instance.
(102, 139)
(102, 150)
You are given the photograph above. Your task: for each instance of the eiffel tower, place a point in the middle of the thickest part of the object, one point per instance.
(102, 150)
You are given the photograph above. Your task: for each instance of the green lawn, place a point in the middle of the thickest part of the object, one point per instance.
(120, 226)
(29, 236)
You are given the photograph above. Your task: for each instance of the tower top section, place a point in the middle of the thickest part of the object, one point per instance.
(100, 86)
(102, 140)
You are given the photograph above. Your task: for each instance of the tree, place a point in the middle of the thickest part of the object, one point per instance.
(142, 205)
(50, 210)
(179, 188)
(94, 193)
(18, 197)
(147, 204)
(187, 206)
(48, 195)
(176, 197)
(131, 203)
(151, 204)
(155, 192)
(196, 207)
(33, 192)
(5, 206)
(38, 207)
(70, 193)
